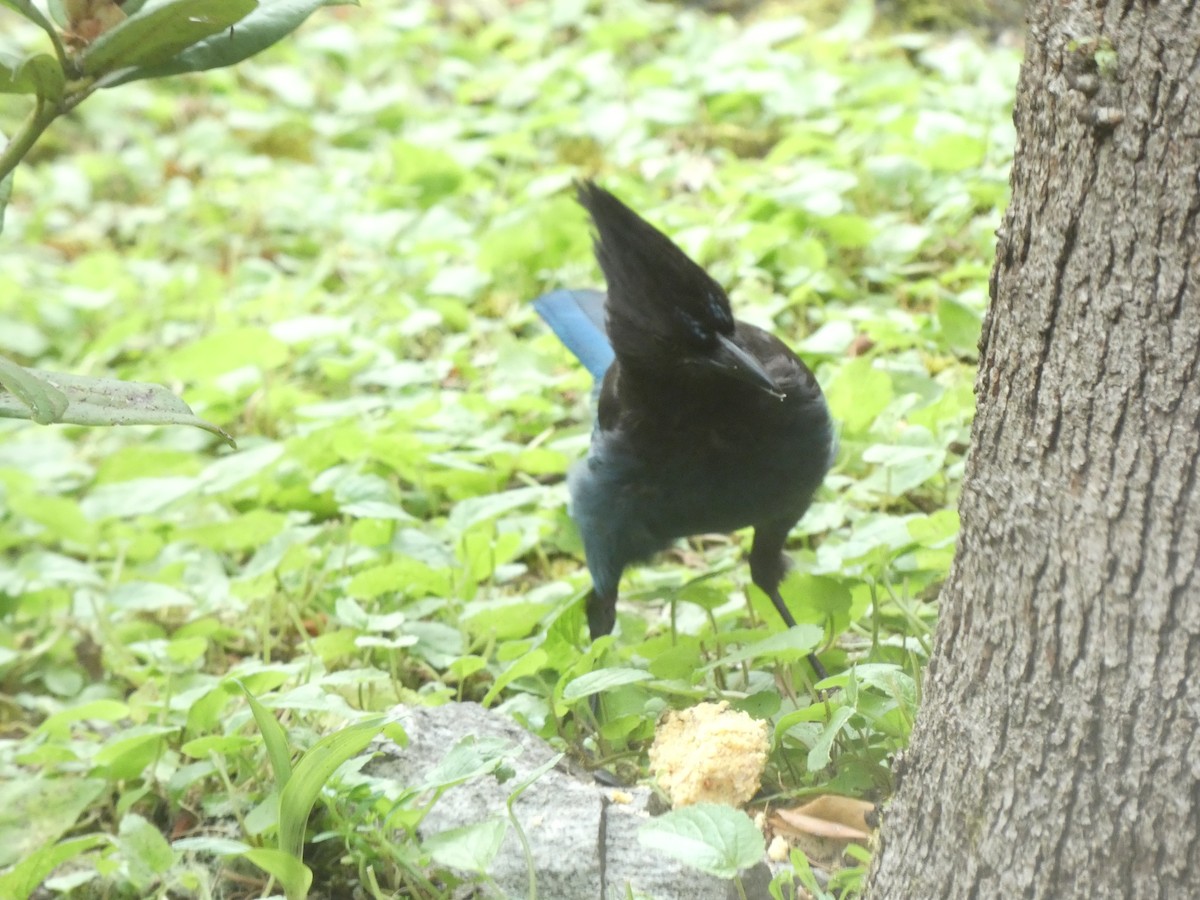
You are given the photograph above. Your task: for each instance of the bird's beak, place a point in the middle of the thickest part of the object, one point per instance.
(732, 360)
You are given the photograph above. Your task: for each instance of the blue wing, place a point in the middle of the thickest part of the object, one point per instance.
(577, 317)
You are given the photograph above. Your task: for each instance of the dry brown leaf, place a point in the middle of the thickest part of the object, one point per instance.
(787, 821)
(831, 816)
(88, 19)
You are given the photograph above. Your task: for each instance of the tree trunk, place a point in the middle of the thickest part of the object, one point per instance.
(1057, 753)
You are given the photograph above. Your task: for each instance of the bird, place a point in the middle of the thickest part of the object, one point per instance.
(704, 423)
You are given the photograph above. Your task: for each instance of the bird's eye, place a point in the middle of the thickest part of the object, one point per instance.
(698, 333)
(718, 309)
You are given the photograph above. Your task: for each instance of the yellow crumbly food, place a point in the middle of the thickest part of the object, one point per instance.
(709, 754)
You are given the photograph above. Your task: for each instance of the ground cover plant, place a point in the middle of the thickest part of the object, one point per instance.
(329, 252)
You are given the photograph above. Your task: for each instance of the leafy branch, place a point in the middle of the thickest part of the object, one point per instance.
(102, 44)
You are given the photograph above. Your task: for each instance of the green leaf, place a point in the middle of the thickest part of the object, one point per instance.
(146, 853)
(293, 874)
(516, 792)
(218, 846)
(825, 597)
(270, 21)
(521, 786)
(31, 12)
(905, 466)
(55, 397)
(960, 326)
(223, 350)
(38, 398)
(715, 839)
(887, 678)
(603, 680)
(467, 759)
(129, 753)
(56, 726)
(26, 876)
(6, 186)
(156, 34)
(526, 665)
(61, 516)
(935, 529)
(224, 744)
(274, 737)
(471, 848)
(310, 775)
(38, 74)
(819, 755)
(475, 510)
(788, 645)
(36, 811)
(858, 394)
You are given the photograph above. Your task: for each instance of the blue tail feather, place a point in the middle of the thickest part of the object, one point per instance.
(577, 317)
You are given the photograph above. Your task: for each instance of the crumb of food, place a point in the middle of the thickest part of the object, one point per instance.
(709, 754)
(779, 849)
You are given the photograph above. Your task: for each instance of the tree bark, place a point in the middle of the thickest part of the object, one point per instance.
(1056, 753)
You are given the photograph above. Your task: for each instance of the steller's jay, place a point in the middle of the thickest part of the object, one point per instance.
(705, 423)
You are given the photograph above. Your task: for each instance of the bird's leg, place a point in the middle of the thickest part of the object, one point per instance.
(602, 618)
(767, 567)
(601, 613)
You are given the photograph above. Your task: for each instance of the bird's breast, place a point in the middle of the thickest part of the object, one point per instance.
(677, 475)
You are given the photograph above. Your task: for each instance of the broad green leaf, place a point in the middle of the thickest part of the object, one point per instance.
(680, 660)
(935, 529)
(903, 467)
(145, 851)
(467, 759)
(61, 516)
(954, 152)
(29, 11)
(27, 876)
(527, 664)
(310, 775)
(603, 680)
(55, 727)
(818, 756)
(858, 394)
(39, 74)
(156, 34)
(128, 754)
(409, 577)
(704, 594)
(32, 397)
(36, 811)
(225, 349)
(813, 599)
(270, 21)
(887, 678)
(145, 596)
(474, 510)
(471, 848)
(223, 744)
(788, 645)
(719, 840)
(831, 339)
(244, 532)
(55, 397)
(218, 846)
(825, 597)
(960, 326)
